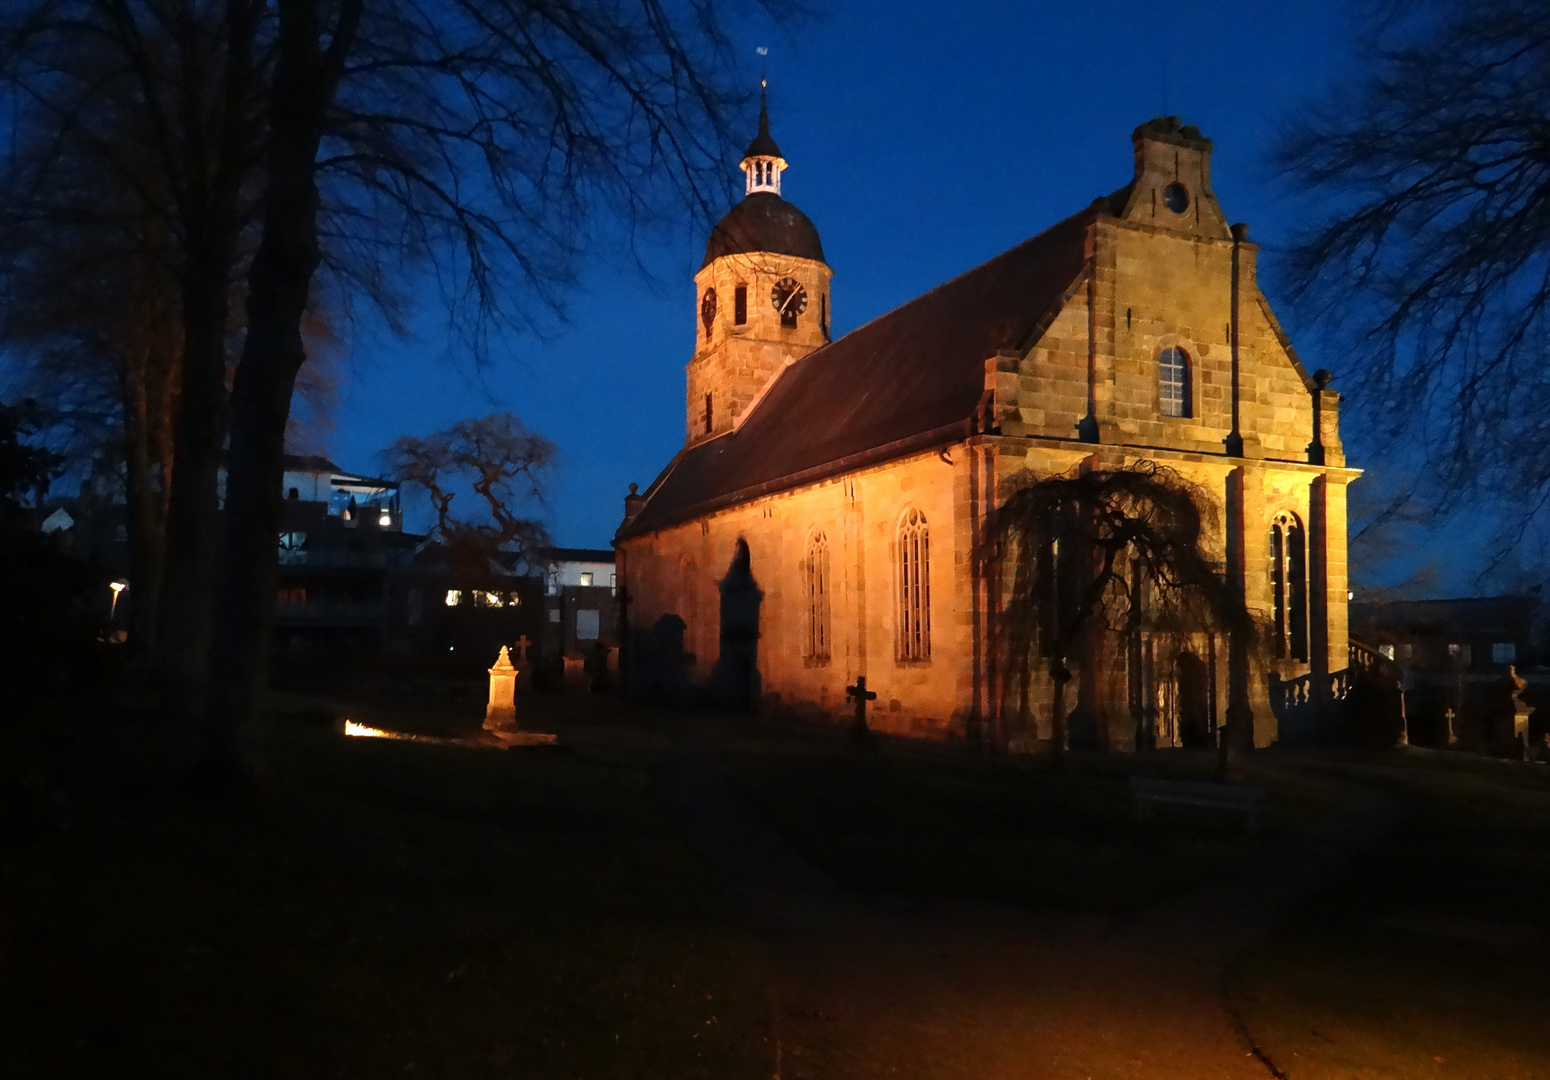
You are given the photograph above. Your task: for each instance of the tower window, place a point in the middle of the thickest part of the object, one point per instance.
(823, 314)
(707, 414)
(913, 557)
(740, 305)
(1173, 391)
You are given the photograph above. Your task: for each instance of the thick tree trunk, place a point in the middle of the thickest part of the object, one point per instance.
(192, 533)
(279, 284)
(145, 413)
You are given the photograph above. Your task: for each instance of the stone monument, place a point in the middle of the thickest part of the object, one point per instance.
(501, 713)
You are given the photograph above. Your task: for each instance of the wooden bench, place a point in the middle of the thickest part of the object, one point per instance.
(1147, 792)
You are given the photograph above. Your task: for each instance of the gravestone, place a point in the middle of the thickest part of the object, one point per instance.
(524, 667)
(859, 734)
(501, 712)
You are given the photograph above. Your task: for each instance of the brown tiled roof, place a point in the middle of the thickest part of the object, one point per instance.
(898, 383)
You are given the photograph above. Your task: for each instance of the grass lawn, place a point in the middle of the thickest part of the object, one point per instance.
(1434, 958)
(957, 824)
(382, 909)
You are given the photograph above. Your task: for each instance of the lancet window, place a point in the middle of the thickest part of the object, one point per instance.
(1289, 585)
(816, 572)
(913, 558)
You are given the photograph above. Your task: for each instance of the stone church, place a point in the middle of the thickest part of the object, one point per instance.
(822, 518)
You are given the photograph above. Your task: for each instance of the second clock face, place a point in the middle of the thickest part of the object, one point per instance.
(708, 309)
(789, 298)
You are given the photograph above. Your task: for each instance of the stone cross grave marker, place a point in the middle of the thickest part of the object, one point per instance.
(859, 732)
(501, 713)
(1452, 736)
(523, 644)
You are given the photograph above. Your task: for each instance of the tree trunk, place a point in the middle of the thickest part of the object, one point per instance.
(1059, 676)
(192, 534)
(279, 284)
(217, 168)
(145, 412)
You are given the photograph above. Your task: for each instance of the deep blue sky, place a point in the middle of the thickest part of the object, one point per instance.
(923, 139)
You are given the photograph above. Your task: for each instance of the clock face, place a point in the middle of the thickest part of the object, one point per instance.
(708, 309)
(789, 298)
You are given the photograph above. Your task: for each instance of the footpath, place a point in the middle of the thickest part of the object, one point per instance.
(960, 991)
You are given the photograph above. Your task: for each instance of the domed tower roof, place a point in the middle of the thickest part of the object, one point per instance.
(763, 221)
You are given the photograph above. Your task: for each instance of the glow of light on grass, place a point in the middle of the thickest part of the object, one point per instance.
(361, 731)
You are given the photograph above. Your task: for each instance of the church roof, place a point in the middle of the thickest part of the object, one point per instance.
(912, 378)
(764, 221)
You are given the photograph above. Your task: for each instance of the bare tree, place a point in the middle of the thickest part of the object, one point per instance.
(1104, 554)
(475, 136)
(1431, 241)
(501, 462)
(135, 129)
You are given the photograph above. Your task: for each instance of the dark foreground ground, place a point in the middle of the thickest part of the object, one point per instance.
(675, 896)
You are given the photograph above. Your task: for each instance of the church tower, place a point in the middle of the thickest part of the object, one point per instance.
(762, 295)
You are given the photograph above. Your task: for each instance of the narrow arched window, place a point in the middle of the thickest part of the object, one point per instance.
(740, 305)
(1289, 585)
(1173, 390)
(913, 556)
(816, 572)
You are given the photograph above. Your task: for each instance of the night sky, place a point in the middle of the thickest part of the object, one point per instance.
(921, 143)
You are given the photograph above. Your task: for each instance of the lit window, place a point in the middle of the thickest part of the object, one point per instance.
(914, 566)
(1504, 652)
(1173, 382)
(386, 518)
(482, 598)
(586, 578)
(816, 571)
(1387, 651)
(454, 597)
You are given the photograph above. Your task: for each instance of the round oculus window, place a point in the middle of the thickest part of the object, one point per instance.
(1176, 197)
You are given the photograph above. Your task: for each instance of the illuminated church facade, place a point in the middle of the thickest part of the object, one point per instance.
(822, 519)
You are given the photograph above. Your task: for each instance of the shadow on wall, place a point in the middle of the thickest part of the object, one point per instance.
(735, 678)
(660, 667)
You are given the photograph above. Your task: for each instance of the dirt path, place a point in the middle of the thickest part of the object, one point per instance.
(870, 988)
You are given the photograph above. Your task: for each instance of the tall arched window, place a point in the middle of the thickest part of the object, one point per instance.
(914, 563)
(1173, 390)
(1289, 585)
(816, 571)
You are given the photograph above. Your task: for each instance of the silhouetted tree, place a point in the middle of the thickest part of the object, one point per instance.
(1103, 551)
(476, 134)
(134, 139)
(1431, 242)
(502, 462)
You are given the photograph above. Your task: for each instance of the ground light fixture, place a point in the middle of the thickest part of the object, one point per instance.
(117, 587)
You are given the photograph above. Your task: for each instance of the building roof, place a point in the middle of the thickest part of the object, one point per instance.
(1502, 616)
(764, 221)
(896, 383)
(560, 554)
(309, 463)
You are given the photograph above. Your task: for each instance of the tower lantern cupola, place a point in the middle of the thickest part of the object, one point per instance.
(762, 163)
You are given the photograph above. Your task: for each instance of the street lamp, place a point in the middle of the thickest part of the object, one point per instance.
(117, 587)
